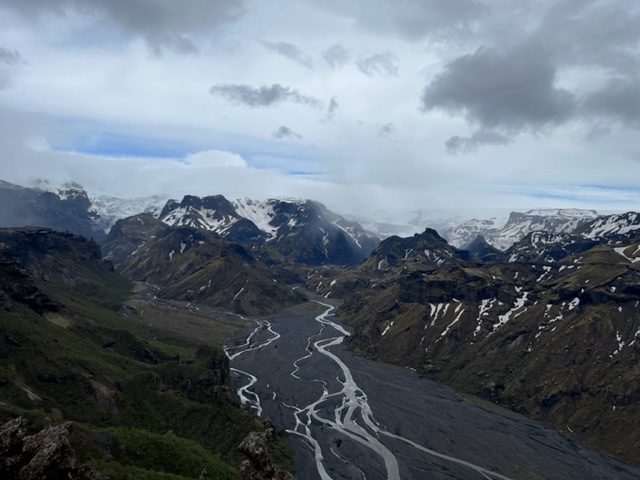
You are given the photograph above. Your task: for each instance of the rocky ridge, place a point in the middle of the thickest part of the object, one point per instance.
(555, 340)
(301, 231)
(46, 454)
(196, 265)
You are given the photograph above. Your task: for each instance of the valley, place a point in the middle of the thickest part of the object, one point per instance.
(348, 417)
(297, 306)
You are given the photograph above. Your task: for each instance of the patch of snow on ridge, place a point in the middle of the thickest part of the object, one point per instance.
(260, 213)
(111, 209)
(457, 319)
(614, 224)
(485, 306)
(620, 251)
(387, 328)
(503, 319)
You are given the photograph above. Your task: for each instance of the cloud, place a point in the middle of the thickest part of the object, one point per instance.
(336, 56)
(214, 159)
(458, 144)
(10, 57)
(162, 23)
(289, 51)
(384, 64)
(593, 33)
(286, 132)
(509, 92)
(618, 100)
(332, 109)
(263, 96)
(410, 19)
(386, 130)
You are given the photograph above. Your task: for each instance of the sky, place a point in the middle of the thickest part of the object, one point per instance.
(360, 104)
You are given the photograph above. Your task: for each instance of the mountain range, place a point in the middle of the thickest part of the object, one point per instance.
(549, 328)
(539, 315)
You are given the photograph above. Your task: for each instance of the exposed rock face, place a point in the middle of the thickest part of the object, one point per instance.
(554, 339)
(29, 255)
(424, 250)
(45, 455)
(545, 247)
(129, 235)
(260, 465)
(481, 250)
(301, 231)
(67, 210)
(195, 265)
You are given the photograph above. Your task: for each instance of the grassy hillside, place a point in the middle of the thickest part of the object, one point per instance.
(147, 403)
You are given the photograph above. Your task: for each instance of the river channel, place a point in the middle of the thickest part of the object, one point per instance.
(350, 418)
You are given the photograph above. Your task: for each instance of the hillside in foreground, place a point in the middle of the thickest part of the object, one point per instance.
(143, 402)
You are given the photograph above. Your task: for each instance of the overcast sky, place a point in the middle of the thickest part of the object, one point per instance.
(360, 104)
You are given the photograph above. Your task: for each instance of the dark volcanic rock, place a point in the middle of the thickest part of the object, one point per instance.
(480, 249)
(260, 465)
(69, 211)
(46, 454)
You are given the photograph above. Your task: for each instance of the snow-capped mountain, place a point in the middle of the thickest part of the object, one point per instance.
(547, 220)
(302, 230)
(518, 226)
(66, 208)
(500, 227)
(611, 225)
(103, 210)
(108, 210)
(545, 247)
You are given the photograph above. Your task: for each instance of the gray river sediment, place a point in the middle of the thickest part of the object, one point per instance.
(350, 418)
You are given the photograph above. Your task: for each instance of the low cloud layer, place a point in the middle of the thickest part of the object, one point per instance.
(263, 96)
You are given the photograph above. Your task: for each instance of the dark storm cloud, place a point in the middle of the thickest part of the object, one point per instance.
(511, 91)
(163, 23)
(336, 56)
(10, 57)
(386, 130)
(618, 100)
(384, 64)
(593, 33)
(286, 132)
(290, 51)
(409, 19)
(458, 144)
(263, 96)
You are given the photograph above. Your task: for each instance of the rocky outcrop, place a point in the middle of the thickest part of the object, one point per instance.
(556, 340)
(260, 464)
(194, 265)
(300, 231)
(47, 454)
(69, 209)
